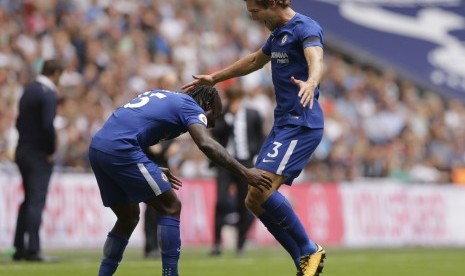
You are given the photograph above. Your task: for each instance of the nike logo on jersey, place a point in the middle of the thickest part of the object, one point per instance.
(267, 160)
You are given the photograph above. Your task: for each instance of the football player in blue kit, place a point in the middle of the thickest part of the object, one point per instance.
(295, 49)
(126, 176)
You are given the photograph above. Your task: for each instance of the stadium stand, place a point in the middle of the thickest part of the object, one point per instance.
(378, 122)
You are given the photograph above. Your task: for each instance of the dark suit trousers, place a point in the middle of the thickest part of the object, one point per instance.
(151, 217)
(36, 171)
(224, 205)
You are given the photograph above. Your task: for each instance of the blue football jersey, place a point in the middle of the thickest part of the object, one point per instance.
(153, 116)
(285, 46)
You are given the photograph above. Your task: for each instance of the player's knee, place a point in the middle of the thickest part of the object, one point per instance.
(253, 200)
(131, 219)
(177, 208)
(173, 209)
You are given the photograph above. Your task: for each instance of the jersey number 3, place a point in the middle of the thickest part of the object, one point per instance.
(277, 145)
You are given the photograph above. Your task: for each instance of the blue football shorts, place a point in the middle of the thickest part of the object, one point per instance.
(287, 150)
(126, 179)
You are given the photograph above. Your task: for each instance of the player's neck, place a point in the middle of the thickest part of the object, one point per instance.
(285, 16)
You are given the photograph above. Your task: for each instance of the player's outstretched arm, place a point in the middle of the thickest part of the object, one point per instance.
(218, 154)
(243, 66)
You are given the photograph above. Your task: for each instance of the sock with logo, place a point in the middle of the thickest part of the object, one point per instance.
(281, 210)
(169, 239)
(112, 254)
(283, 237)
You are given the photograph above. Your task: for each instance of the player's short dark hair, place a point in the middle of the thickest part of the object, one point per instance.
(267, 3)
(205, 96)
(51, 67)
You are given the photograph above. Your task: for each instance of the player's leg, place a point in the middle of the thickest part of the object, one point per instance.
(254, 201)
(114, 197)
(277, 215)
(117, 239)
(127, 181)
(283, 156)
(150, 185)
(168, 206)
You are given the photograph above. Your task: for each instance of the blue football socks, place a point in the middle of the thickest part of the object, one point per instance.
(281, 211)
(283, 237)
(112, 254)
(169, 238)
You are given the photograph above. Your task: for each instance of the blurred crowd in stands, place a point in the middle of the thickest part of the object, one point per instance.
(377, 124)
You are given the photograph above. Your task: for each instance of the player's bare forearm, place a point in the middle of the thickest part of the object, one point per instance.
(218, 154)
(314, 57)
(242, 67)
(213, 150)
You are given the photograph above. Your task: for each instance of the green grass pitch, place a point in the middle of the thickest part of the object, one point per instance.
(264, 261)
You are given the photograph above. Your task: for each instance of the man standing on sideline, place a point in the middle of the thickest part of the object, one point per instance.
(126, 176)
(239, 130)
(34, 157)
(295, 49)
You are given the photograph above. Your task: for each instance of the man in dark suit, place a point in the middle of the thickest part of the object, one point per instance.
(239, 129)
(34, 157)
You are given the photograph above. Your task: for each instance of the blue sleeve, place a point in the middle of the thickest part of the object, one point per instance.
(310, 34)
(267, 47)
(192, 114)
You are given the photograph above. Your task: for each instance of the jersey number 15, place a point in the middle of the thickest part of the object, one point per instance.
(143, 99)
